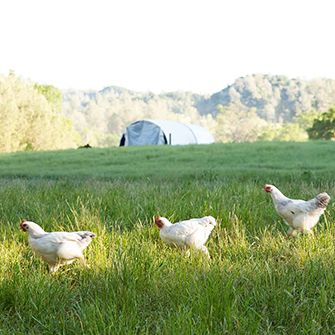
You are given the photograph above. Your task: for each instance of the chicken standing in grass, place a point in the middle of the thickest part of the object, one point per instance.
(57, 248)
(191, 233)
(299, 215)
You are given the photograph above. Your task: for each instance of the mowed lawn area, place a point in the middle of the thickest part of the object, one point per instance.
(257, 281)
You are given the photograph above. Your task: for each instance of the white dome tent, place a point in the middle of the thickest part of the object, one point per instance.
(158, 132)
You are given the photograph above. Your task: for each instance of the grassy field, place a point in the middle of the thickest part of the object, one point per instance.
(257, 282)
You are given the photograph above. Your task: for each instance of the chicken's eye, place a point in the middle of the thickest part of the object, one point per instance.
(292, 212)
(25, 226)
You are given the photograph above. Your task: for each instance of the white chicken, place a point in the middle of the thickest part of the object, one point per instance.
(57, 248)
(191, 233)
(299, 215)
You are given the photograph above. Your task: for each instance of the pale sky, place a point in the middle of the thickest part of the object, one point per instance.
(155, 45)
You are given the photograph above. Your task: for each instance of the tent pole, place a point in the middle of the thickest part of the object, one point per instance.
(169, 138)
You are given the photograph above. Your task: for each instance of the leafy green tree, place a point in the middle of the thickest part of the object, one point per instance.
(323, 127)
(28, 121)
(282, 132)
(52, 94)
(306, 120)
(235, 126)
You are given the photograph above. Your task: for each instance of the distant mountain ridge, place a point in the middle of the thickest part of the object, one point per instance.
(275, 98)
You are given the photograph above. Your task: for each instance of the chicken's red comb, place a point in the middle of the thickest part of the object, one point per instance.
(22, 222)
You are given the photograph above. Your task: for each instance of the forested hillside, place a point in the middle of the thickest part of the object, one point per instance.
(256, 107)
(275, 98)
(101, 116)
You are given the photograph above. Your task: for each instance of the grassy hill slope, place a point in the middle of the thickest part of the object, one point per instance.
(254, 160)
(257, 282)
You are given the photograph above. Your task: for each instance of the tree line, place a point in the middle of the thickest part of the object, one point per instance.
(41, 117)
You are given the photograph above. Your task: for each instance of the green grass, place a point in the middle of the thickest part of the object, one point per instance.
(257, 282)
(248, 161)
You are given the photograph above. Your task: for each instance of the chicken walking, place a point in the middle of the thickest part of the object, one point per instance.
(57, 248)
(191, 233)
(299, 215)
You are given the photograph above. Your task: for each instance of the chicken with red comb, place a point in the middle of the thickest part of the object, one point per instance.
(192, 233)
(299, 215)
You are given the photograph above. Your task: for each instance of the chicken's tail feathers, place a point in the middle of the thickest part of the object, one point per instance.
(322, 200)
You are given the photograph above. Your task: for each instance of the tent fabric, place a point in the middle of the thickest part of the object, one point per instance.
(202, 135)
(159, 132)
